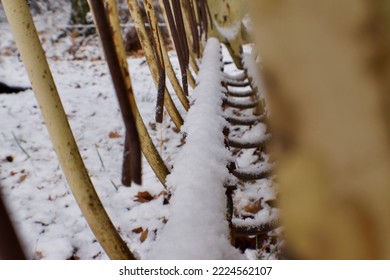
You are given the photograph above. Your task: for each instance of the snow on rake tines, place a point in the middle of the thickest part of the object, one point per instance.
(197, 227)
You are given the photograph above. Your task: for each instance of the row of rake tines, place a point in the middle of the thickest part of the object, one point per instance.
(245, 106)
(188, 22)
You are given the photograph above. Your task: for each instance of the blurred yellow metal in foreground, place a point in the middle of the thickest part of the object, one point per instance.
(326, 65)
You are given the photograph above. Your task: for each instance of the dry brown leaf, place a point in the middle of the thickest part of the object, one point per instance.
(175, 129)
(143, 197)
(9, 158)
(182, 142)
(113, 135)
(138, 230)
(38, 255)
(22, 178)
(153, 126)
(253, 207)
(144, 235)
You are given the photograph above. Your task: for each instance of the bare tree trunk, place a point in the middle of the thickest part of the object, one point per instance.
(326, 68)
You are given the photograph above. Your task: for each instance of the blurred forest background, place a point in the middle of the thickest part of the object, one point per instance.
(71, 21)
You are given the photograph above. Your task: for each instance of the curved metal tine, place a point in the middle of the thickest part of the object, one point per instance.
(251, 230)
(156, 41)
(249, 121)
(146, 44)
(46, 93)
(191, 28)
(249, 175)
(236, 77)
(243, 93)
(132, 158)
(242, 144)
(233, 83)
(149, 150)
(241, 105)
(168, 66)
(176, 23)
(168, 17)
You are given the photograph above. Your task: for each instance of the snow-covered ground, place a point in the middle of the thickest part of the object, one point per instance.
(39, 199)
(40, 202)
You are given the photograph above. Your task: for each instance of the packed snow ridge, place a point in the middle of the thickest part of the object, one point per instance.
(197, 227)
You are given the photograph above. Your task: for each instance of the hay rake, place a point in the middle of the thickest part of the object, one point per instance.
(197, 29)
(189, 24)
